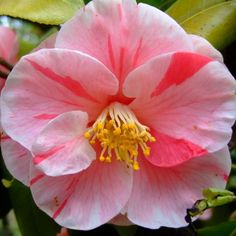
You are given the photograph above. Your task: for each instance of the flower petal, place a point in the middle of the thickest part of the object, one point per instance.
(168, 151)
(162, 72)
(202, 46)
(195, 103)
(122, 34)
(17, 159)
(8, 44)
(61, 148)
(85, 200)
(50, 82)
(166, 193)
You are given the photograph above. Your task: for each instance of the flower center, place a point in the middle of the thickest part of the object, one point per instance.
(120, 135)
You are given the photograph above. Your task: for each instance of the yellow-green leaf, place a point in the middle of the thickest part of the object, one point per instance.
(183, 9)
(52, 12)
(216, 22)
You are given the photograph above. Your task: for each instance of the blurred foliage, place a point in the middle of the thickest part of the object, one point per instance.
(52, 12)
(213, 19)
(29, 34)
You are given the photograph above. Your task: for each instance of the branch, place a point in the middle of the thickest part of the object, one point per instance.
(6, 64)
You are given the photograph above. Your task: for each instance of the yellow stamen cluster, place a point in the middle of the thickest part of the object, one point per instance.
(120, 135)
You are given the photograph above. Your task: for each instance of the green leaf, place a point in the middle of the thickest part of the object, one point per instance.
(183, 9)
(52, 12)
(223, 229)
(215, 21)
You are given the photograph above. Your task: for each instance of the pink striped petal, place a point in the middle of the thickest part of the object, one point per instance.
(61, 147)
(152, 78)
(166, 193)
(8, 44)
(50, 82)
(16, 158)
(168, 151)
(195, 103)
(122, 34)
(85, 200)
(203, 47)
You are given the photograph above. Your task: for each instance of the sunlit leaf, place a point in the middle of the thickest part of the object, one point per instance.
(183, 9)
(215, 21)
(52, 12)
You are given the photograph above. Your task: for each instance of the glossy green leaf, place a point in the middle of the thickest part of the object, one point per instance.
(215, 21)
(51, 12)
(183, 9)
(224, 229)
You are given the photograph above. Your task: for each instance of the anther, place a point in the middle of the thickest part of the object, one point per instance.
(102, 158)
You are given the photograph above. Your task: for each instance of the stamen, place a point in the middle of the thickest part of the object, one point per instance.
(120, 135)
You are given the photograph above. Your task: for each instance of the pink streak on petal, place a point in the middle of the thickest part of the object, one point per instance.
(21, 156)
(177, 73)
(67, 82)
(137, 53)
(58, 211)
(35, 179)
(91, 201)
(38, 159)
(226, 177)
(70, 189)
(110, 51)
(45, 116)
(121, 62)
(5, 137)
(169, 151)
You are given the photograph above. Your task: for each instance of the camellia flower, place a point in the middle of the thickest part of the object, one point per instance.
(124, 118)
(8, 51)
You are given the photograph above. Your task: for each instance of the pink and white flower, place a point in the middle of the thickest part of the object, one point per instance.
(8, 49)
(124, 120)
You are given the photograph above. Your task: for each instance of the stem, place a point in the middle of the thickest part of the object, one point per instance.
(6, 64)
(3, 75)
